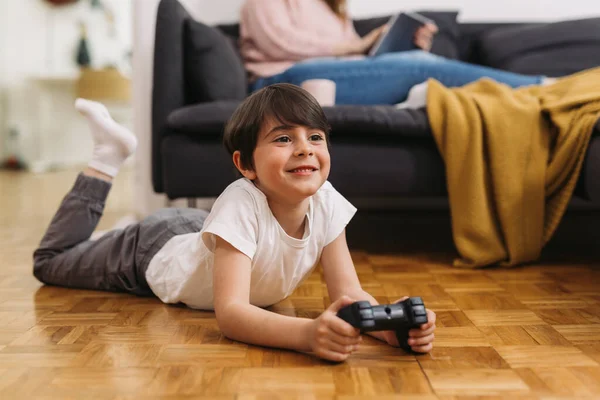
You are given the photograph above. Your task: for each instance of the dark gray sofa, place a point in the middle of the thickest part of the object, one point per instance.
(377, 151)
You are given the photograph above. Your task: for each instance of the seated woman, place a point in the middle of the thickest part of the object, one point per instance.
(293, 41)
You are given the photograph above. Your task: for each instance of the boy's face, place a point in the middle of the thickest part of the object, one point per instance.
(290, 162)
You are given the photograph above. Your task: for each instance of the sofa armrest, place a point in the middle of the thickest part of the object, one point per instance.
(168, 82)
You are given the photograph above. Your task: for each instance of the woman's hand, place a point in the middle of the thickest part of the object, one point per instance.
(360, 45)
(424, 36)
(371, 38)
(332, 338)
(419, 339)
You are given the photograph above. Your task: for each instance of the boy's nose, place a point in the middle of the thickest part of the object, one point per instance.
(303, 149)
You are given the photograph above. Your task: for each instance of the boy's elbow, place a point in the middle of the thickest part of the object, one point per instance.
(226, 317)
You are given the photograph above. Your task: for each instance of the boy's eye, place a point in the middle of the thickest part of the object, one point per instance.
(316, 137)
(283, 139)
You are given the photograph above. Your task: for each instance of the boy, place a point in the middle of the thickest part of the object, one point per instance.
(264, 235)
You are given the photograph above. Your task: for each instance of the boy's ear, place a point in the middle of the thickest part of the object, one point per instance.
(248, 173)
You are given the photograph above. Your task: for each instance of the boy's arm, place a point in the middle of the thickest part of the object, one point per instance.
(340, 275)
(237, 318)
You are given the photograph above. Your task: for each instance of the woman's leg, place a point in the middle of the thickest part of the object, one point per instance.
(66, 256)
(387, 79)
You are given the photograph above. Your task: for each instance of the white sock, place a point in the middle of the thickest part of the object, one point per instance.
(417, 97)
(113, 143)
(546, 80)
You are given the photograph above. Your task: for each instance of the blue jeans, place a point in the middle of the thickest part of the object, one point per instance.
(386, 79)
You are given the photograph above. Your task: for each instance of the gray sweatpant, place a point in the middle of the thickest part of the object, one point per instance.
(117, 261)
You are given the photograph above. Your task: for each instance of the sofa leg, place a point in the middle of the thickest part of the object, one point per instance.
(192, 202)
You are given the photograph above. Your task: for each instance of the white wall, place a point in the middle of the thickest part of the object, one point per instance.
(3, 40)
(485, 10)
(144, 22)
(211, 12)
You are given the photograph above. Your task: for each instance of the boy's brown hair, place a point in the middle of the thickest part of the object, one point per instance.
(286, 103)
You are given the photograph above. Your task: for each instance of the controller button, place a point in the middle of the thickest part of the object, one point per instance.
(421, 320)
(369, 323)
(419, 310)
(416, 301)
(367, 314)
(363, 304)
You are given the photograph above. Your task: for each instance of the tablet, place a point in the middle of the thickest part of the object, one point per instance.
(401, 34)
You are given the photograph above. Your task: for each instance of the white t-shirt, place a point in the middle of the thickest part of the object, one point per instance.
(182, 270)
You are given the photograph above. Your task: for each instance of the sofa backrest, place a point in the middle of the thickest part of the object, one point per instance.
(469, 32)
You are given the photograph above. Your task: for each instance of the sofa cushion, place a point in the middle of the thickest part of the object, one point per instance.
(382, 133)
(552, 49)
(404, 168)
(203, 168)
(213, 70)
(376, 122)
(208, 120)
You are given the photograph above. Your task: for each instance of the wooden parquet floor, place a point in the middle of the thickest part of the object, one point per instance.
(527, 333)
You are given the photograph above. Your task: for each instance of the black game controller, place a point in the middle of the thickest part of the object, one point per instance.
(400, 317)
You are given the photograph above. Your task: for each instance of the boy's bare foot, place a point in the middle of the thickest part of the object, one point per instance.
(113, 143)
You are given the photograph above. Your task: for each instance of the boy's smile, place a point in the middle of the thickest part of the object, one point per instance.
(304, 170)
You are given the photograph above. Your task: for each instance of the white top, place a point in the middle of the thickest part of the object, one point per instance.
(182, 270)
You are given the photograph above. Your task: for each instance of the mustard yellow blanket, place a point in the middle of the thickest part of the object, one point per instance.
(512, 160)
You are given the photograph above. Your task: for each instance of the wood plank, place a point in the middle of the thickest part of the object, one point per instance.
(480, 381)
(541, 356)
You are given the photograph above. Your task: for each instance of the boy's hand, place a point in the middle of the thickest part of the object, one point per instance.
(332, 338)
(420, 339)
